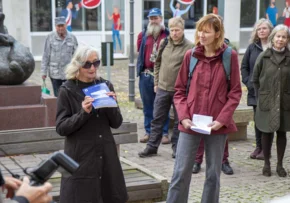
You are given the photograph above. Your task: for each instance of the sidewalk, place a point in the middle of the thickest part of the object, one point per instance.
(247, 185)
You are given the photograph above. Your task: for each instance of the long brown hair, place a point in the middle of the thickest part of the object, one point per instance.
(211, 21)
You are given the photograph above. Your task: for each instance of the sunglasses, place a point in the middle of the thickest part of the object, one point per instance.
(88, 64)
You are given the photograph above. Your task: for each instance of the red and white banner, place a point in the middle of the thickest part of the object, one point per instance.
(186, 1)
(91, 4)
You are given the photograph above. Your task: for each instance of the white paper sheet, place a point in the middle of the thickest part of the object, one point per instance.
(201, 123)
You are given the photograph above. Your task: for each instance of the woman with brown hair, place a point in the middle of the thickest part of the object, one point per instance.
(209, 94)
(259, 42)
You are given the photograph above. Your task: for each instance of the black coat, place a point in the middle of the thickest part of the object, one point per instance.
(89, 141)
(247, 67)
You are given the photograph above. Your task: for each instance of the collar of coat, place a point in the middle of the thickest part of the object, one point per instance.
(269, 52)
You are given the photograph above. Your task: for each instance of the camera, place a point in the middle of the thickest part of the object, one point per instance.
(58, 161)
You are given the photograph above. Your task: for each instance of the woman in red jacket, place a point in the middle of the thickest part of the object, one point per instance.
(210, 94)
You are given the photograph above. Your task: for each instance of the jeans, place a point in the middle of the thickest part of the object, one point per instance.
(186, 151)
(146, 88)
(200, 152)
(56, 83)
(116, 34)
(162, 104)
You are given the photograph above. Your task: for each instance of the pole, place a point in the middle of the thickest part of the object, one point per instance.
(108, 61)
(131, 64)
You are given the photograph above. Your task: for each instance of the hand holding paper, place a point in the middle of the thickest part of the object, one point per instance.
(201, 124)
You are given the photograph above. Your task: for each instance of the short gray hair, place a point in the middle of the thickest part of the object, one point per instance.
(274, 32)
(79, 59)
(254, 35)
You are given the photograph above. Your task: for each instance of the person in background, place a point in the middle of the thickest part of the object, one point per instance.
(169, 59)
(147, 45)
(286, 14)
(88, 136)
(176, 12)
(271, 78)
(208, 94)
(59, 48)
(258, 44)
(272, 13)
(116, 27)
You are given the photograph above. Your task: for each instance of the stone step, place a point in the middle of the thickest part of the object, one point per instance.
(24, 94)
(23, 116)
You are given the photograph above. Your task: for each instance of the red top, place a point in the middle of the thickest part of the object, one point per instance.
(149, 47)
(116, 18)
(208, 94)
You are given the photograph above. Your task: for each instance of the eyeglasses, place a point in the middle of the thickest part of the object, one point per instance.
(88, 64)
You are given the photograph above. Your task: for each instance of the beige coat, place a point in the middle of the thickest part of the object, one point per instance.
(167, 64)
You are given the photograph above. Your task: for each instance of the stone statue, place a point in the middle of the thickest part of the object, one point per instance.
(16, 61)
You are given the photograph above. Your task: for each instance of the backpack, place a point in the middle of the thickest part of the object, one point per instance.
(226, 64)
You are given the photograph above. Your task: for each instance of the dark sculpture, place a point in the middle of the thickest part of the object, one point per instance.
(16, 61)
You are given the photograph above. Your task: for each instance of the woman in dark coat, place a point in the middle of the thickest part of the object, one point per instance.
(271, 78)
(259, 41)
(89, 139)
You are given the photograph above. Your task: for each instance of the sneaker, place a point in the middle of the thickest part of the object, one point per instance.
(165, 139)
(260, 156)
(148, 152)
(255, 153)
(144, 139)
(227, 169)
(196, 167)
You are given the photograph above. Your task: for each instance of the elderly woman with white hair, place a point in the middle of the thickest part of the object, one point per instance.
(258, 44)
(271, 78)
(88, 136)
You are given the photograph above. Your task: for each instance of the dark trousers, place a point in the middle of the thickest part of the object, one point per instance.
(162, 104)
(146, 88)
(56, 83)
(258, 133)
(200, 152)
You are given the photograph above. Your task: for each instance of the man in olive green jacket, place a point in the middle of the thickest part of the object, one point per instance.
(166, 68)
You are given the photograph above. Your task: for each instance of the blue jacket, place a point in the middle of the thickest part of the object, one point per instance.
(141, 56)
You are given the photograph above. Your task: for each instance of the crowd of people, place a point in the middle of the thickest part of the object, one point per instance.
(195, 79)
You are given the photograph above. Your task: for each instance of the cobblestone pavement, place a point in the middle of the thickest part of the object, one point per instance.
(247, 185)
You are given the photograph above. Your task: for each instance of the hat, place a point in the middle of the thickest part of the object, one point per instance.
(59, 20)
(154, 12)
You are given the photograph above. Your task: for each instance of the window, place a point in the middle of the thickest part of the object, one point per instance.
(190, 13)
(114, 6)
(148, 4)
(40, 15)
(263, 7)
(78, 17)
(212, 6)
(248, 13)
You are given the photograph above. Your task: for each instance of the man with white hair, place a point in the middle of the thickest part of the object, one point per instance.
(147, 46)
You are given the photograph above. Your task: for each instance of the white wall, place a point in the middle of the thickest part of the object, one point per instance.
(17, 19)
(232, 17)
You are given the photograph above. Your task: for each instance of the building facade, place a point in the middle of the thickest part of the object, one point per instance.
(30, 21)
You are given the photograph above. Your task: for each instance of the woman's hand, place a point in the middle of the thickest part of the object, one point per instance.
(112, 94)
(215, 125)
(87, 104)
(187, 123)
